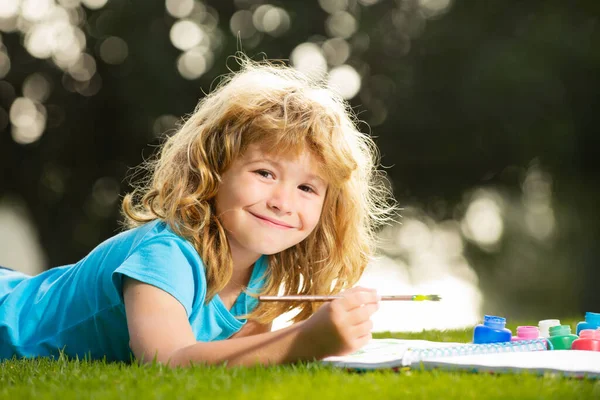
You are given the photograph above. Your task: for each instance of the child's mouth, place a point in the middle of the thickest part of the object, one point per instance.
(271, 222)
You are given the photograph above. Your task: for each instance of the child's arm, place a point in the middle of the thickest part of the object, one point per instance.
(252, 328)
(158, 327)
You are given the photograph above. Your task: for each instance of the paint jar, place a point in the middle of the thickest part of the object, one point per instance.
(491, 331)
(589, 339)
(592, 321)
(526, 333)
(561, 337)
(546, 324)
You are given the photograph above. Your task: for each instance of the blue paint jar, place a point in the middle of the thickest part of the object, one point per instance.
(492, 331)
(592, 321)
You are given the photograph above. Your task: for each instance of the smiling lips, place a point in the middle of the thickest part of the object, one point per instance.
(272, 222)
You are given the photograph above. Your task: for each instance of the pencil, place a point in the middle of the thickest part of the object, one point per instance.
(415, 297)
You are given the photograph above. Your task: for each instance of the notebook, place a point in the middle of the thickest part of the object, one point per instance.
(522, 356)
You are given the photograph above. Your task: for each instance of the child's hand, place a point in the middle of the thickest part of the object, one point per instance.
(343, 325)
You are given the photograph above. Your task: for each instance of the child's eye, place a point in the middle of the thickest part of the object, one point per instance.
(306, 189)
(264, 173)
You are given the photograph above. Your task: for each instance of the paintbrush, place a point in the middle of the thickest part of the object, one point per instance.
(415, 297)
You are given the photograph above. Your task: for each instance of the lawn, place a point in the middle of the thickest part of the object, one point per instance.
(73, 379)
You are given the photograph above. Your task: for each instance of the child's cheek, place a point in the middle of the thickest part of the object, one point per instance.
(313, 216)
(252, 191)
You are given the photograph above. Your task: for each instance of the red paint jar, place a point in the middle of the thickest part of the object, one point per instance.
(589, 339)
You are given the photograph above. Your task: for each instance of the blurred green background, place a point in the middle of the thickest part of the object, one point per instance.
(486, 114)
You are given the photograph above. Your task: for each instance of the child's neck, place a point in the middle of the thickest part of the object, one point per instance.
(243, 261)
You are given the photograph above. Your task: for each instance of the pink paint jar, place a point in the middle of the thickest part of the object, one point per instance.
(526, 333)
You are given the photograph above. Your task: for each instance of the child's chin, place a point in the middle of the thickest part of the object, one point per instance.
(269, 251)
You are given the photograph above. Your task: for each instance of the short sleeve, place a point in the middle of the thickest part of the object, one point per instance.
(167, 263)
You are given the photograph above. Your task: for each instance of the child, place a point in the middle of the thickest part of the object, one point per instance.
(267, 188)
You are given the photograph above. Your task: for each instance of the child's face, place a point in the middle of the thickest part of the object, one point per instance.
(268, 203)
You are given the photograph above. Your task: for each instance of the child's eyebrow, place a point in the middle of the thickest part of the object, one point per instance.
(278, 165)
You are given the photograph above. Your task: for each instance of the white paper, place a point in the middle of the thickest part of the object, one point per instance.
(396, 353)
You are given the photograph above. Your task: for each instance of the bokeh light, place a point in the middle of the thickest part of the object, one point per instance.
(241, 24)
(336, 51)
(7, 94)
(89, 87)
(4, 63)
(113, 50)
(332, 6)
(414, 236)
(28, 120)
(179, 8)
(105, 193)
(345, 80)
(51, 30)
(9, 8)
(36, 10)
(19, 234)
(197, 35)
(274, 21)
(309, 59)
(341, 24)
(36, 87)
(421, 256)
(39, 41)
(434, 8)
(537, 200)
(483, 222)
(53, 182)
(164, 124)
(192, 64)
(94, 4)
(70, 4)
(199, 12)
(186, 34)
(84, 68)
(8, 25)
(207, 16)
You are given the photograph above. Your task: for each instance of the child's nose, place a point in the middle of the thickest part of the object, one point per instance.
(281, 199)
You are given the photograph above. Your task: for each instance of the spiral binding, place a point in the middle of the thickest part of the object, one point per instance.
(472, 349)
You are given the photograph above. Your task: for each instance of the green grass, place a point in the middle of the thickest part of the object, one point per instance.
(76, 379)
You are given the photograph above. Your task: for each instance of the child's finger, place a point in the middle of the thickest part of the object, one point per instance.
(359, 298)
(360, 289)
(362, 314)
(361, 340)
(362, 329)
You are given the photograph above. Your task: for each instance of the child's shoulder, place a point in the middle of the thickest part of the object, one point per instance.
(151, 241)
(146, 234)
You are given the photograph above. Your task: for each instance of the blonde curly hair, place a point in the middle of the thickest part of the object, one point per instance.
(285, 112)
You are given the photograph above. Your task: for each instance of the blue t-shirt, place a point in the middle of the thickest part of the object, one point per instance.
(79, 307)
